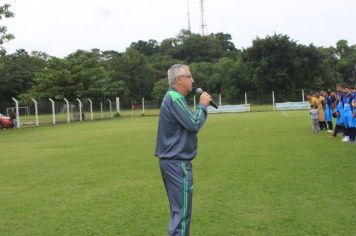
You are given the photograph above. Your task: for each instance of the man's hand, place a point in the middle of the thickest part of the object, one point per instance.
(205, 98)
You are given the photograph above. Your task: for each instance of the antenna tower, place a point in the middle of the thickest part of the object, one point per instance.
(203, 25)
(188, 14)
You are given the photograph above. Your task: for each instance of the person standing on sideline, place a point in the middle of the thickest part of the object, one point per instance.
(12, 115)
(177, 145)
(340, 94)
(353, 109)
(320, 101)
(328, 111)
(348, 121)
(333, 100)
(339, 125)
(314, 115)
(311, 100)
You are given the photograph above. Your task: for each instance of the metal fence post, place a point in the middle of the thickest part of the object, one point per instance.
(91, 108)
(36, 111)
(17, 113)
(53, 112)
(68, 117)
(80, 110)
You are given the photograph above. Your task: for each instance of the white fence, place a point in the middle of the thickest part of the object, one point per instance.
(292, 106)
(53, 112)
(230, 108)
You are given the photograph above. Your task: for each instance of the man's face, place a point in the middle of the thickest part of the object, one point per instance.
(186, 81)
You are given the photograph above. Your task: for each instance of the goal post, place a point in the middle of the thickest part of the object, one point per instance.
(23, 111)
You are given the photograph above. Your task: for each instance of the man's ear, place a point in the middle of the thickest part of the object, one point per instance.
(178, 80)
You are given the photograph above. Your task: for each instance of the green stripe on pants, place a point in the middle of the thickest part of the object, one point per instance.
(185, 207)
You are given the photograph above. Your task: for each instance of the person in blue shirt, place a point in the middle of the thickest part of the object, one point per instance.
(348, 119)
(177, 145)
(353, 108)
(340, 94)
(339, 127)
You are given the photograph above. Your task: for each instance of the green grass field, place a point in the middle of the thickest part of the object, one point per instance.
(260, 173)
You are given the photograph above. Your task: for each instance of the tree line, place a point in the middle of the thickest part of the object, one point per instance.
(275, 62)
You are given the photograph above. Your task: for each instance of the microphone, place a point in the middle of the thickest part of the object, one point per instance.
(200, 91)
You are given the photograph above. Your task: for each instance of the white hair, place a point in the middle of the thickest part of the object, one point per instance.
(175, 71)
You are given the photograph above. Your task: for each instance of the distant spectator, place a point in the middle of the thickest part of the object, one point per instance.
(333, 100)
(314, 115)
(340, 107)
(348, 119)
(353, 109)
(12, 115)
(320, 102)
(311, 100)
(328, 112)
(339, 123)
(83, 114)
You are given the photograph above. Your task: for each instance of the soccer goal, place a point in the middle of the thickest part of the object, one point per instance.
(24, 111)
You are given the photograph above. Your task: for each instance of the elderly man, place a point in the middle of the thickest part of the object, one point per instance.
(177, 145)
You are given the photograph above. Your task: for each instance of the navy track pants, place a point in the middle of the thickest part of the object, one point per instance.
(178, 180)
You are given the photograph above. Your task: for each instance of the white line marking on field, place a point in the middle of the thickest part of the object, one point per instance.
(285, 114)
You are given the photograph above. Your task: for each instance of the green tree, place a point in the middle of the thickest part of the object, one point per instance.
(79, 75)
(4, 35)
(161, 63)
(53, 82)
(197, 48)
(19, 73)
(269, 60)
(280, 64)
(87, 73)
(159, 89)
(225, 41)
(146, 48)
(202, 72)
(230, 78)
(137, 74)
(342, 48)
(346, 64)
(169, 46)
(328, 69)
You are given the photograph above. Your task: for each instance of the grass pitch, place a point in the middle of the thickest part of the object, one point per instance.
(255, 174)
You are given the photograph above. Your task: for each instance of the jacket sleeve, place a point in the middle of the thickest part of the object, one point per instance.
(185, 117)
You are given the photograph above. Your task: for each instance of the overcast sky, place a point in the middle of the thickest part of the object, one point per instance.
(60, 27)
